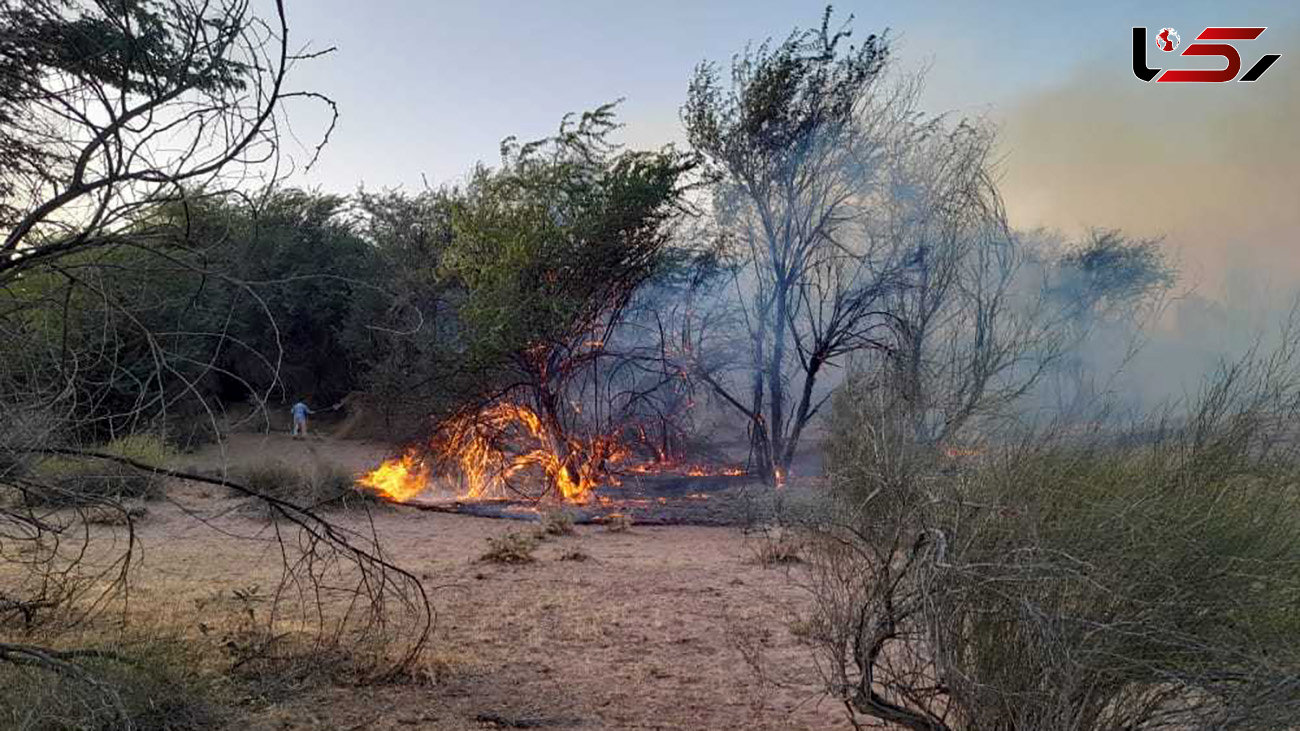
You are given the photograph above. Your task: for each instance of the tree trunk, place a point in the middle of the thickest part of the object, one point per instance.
(760, 443)
(775, 385)
(801, 416)
(555, 436)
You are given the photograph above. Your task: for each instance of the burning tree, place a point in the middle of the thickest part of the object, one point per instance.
(547, 252)
(858, 228)
(797, 146)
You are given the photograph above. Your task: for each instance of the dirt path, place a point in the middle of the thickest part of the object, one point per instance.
(643, 634)
(245, 449)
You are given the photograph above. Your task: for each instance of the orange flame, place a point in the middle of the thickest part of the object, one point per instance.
(398, 479)
(471, 455)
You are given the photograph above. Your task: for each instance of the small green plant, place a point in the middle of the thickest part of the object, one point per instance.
(511, 548)
(556, 523)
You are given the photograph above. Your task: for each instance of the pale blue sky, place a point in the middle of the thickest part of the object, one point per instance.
(426, 88)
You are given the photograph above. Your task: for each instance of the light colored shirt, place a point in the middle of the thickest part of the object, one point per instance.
(300, 410)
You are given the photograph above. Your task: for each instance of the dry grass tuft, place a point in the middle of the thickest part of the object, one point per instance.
(437, 668)
(779, 547)
(152, 685)
(74, 481)
(575, 554)
(321, 485)
(511, 548)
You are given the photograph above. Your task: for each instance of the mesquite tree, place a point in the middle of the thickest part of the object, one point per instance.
(549, 249)
(856, 227)
(839, 202)
(785, 144)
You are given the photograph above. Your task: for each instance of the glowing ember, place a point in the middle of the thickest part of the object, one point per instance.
(701, 471)
(691, 470)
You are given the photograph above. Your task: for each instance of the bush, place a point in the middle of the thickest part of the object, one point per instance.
(332, 483)
(113, 514)
(321, 484)
(272, 477)
(23, 428)
(1135, 578)
(71, 480)
(513, 548)
(575, 554)
(618, 523)
(779, 546)
(556, 523)
(146, 448)
(189, 432)
(157, 684)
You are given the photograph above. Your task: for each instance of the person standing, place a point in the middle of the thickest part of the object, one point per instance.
(300, 412)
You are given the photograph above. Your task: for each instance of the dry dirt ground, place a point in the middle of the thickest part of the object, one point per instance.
(645, 634)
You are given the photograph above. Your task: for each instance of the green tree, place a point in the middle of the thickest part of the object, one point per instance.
(300, 262)
(549, 249)
(409, 334)
(117, 120)
(241, 305)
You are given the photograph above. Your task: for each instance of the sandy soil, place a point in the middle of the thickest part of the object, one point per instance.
(643, 635)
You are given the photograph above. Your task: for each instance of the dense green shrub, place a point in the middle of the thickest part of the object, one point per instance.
(1121, 578)
(76, 480)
